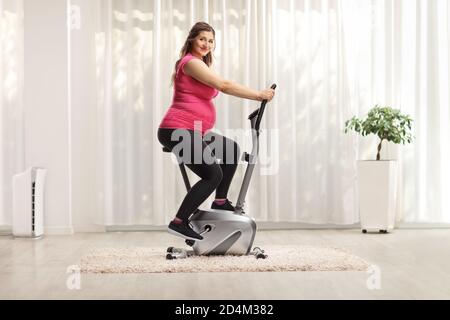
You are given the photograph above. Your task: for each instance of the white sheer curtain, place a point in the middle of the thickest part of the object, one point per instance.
(331, 59)
(11, 101)
(398, 54)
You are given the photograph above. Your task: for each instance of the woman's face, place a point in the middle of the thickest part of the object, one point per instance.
(203, 44)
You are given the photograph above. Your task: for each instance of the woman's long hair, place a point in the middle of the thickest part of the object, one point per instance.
(187, 47)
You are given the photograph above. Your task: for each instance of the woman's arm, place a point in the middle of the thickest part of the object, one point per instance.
(198, 70)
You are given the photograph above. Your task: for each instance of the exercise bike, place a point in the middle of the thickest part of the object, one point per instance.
(225, 232)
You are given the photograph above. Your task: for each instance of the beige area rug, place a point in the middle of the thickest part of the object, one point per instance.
(280, 258)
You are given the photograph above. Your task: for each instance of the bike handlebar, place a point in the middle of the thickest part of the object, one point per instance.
(260, 111)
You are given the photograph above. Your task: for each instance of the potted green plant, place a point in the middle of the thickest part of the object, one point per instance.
(377, 179)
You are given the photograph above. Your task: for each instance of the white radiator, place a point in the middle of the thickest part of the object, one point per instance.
(28, 203)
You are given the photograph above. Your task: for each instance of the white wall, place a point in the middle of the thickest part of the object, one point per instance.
(60, 123)
(83, 112)
(46, 100)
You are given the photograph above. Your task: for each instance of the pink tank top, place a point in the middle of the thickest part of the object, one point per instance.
(192, 107)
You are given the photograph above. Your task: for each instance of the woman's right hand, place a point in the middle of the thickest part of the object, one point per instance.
(266, 94)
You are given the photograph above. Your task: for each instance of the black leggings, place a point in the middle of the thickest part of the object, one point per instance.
(201, 154)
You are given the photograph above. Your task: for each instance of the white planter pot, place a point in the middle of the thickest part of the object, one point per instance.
(377, 187)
